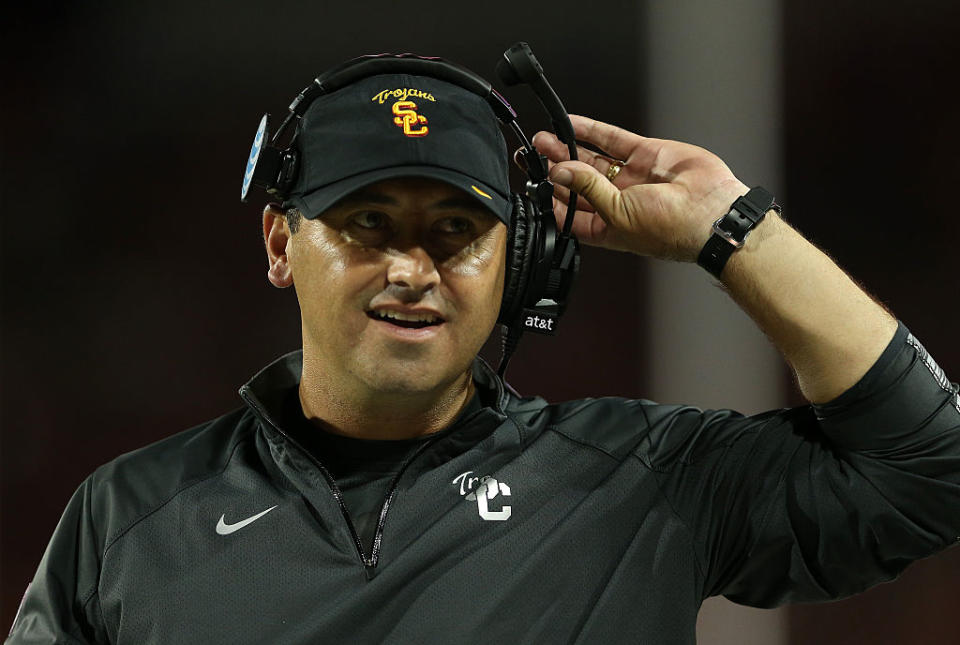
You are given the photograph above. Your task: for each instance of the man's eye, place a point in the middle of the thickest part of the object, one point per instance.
(455, 225)
(370, 219)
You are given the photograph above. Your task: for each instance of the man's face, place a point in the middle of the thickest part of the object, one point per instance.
(412, 247)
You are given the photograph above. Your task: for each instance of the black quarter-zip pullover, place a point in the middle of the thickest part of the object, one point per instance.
(604, 520)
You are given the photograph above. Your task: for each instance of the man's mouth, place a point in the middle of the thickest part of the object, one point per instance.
(408, 321)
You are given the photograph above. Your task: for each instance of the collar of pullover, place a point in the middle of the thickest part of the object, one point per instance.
(264, 392)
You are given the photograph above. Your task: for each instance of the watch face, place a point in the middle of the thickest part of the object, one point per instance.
(253, 158)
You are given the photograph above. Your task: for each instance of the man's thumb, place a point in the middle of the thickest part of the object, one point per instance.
(587, 181)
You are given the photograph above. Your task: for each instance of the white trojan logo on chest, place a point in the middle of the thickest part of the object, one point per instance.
(481, 490)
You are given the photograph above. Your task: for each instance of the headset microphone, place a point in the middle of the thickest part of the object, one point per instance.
(519, 65)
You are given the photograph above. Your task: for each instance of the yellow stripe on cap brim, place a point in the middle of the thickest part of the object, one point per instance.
(480, 192)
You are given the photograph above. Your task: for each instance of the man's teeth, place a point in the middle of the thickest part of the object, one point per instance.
(427, 318)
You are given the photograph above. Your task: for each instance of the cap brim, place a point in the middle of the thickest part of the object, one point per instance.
(316, 202)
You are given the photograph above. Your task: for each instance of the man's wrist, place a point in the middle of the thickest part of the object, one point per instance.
(720, 199)
(770, 225)
(733, 228)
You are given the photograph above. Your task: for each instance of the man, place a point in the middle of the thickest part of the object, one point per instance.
(383, 485)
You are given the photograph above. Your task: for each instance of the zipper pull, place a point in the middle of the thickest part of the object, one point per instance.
(369, 567)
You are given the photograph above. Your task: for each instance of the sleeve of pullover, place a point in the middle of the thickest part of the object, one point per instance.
(61, 603)
(817, 502)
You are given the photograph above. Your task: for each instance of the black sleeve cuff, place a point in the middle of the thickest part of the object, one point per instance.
(878, 377)
(904, 400)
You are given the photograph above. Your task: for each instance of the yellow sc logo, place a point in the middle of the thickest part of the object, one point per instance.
(407, 117)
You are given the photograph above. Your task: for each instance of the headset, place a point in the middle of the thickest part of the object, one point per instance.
(542, 261)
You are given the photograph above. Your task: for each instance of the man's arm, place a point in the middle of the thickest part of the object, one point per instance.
(663, 204)
(828, 329)
(803, 504)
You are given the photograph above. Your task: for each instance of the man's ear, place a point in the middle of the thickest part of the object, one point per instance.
(276, 234)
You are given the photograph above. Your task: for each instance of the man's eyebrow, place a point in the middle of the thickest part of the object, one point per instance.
(459, 202)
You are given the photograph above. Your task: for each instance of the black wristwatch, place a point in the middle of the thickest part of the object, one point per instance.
(730, 231)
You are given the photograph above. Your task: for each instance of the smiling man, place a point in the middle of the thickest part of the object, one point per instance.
(399, 286)
(382, 484)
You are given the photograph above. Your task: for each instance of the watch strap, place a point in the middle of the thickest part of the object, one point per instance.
(730, 231)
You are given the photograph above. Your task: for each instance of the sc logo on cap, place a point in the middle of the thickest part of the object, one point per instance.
(407, 118)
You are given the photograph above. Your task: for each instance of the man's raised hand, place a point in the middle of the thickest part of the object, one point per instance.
(661, 204)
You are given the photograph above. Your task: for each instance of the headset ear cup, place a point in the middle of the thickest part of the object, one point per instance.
(520, 240)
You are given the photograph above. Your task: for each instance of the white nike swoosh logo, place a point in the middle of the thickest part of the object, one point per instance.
(226, 529)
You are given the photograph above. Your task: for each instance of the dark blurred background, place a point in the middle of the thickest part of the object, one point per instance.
(134, 292)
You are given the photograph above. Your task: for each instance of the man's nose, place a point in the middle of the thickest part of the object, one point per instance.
(413, 268)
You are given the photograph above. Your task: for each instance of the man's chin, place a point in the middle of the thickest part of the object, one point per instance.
(407, 377)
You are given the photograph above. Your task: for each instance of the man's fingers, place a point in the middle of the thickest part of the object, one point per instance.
(547, 143)
(616, 141)
(588, 227)
(556, 151)
(640, 152)
(587, 180)
(562, 194)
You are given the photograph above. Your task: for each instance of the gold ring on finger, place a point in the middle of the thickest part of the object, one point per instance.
(614, 170)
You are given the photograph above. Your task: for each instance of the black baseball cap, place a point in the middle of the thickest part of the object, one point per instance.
(399, 125)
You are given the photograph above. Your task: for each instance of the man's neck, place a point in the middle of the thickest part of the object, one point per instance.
(381, 415)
